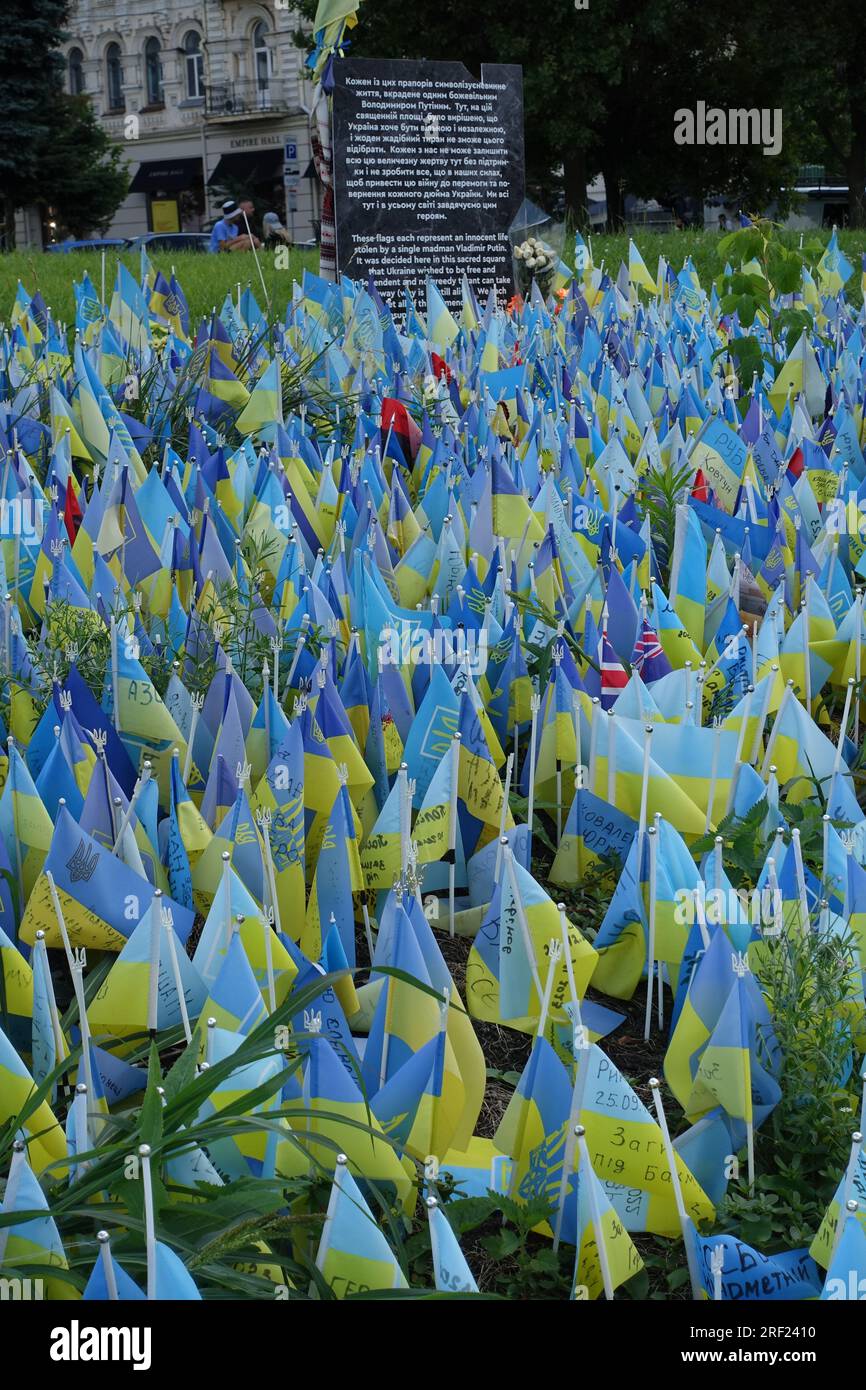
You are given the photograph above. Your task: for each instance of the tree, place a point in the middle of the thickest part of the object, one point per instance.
(53, 150)
(83, 177)
(828, 87)
(602, 85)
(30, 78)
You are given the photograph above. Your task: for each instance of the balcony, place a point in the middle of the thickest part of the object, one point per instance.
(249, 100)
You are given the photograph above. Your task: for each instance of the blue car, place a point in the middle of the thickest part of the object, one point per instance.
(96, 244)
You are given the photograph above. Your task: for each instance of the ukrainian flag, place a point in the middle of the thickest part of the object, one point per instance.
(45, 1139)
(637, 271)
(32, 1244)
(596, 1218)
(336, 1116)
(620, 1129)
(353, 1255)
(265, 405)
(121, 1005)
(834, 268)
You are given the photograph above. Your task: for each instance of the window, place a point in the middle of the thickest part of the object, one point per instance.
(114, 76)
(262, 54)
(194, 65)
(76, 72)
(152, 73)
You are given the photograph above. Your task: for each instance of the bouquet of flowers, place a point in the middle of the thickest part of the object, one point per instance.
(534, 260)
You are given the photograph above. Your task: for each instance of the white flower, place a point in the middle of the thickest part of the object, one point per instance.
(518, 253)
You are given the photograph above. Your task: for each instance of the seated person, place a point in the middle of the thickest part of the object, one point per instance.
(226, 234)
(273, 229)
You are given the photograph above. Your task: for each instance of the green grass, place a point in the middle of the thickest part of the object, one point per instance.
(207, 279)
(702, 247)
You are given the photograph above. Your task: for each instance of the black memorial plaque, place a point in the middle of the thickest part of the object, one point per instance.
(428, 175)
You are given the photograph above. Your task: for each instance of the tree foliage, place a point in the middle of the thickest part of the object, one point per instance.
(52, 148)
(602, 86)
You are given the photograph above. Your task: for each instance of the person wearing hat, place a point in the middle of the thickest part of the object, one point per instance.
(226, 234)
(273, 229)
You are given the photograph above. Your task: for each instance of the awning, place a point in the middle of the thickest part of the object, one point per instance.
(168, 175)
(248, 166)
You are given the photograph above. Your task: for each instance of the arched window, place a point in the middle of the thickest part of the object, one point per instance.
(152, 73)
(194, 64)
(76, 72)
(114, 77)
(262, 54)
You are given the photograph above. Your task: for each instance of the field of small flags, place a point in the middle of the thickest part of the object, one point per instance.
(432, 859)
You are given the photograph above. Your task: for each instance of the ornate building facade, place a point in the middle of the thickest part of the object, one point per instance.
(209, 98)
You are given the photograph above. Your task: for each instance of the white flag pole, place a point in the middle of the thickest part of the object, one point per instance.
(555, 951)
(858, 651)
(585, 1164)
(850, 1176)
(655, 1087)
(801, 878)
(714, 773)
(837, 762)
(140, 783)
(79, 962)
(115, 676)
(153, 966)
(452, 829)
(107, 1265)
(509, 767)
(61, 921)
(535, 706)
(644, 787)
(168, 923)
(197, 702)
(611, 758)
(149, 1228)
(593, 740)
(405, 812)
(368, 931)
(651, 942)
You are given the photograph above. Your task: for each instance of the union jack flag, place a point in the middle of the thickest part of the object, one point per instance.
(613, 677)
(648, 657)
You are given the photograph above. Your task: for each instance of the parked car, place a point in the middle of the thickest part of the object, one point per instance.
(171, 241)
(105, 243)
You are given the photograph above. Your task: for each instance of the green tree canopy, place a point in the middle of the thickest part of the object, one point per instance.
(602, 85)
(53, 151)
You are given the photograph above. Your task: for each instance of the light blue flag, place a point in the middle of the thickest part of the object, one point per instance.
(173, 1280)
(97, 1286)
(450, 1269)
(790, 1275)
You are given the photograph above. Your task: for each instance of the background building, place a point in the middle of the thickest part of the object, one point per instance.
(207, 99)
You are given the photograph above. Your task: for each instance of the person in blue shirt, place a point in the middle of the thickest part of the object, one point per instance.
(226, 234)
(224, 230)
